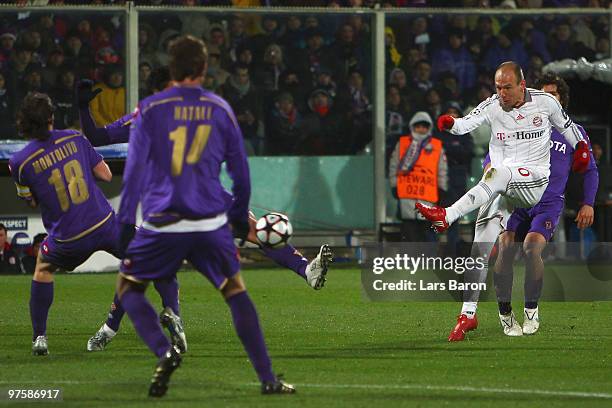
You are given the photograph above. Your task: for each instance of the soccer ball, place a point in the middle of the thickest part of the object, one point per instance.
(273, 230)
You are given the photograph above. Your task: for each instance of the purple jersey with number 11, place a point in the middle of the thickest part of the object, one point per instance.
(57, 173)
(178, 141)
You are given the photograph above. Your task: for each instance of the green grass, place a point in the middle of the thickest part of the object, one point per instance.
(337, 348)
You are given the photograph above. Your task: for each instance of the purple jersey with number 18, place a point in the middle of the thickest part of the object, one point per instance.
(57, 173)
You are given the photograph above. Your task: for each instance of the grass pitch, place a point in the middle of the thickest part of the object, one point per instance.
(338, 349)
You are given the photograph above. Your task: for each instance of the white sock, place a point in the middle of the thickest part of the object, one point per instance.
(494, 182)
(109, 332)
(469, 309)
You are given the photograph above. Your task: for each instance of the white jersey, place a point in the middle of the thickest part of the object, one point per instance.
(521, 136)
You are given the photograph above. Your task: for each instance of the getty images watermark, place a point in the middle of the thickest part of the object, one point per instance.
(437, 272)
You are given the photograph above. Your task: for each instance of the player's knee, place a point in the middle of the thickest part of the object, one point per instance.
(124, 285)
(534, 245)
(233, 286)
(506, 242)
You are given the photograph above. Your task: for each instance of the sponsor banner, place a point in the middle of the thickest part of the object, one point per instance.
(15, 223)
(433, 272)
(10, 147)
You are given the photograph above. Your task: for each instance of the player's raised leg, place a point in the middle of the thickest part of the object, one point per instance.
(313, 272)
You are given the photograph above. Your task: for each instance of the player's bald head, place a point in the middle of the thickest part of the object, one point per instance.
(510, 68)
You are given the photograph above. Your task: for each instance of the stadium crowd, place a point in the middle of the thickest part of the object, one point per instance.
(300, 84)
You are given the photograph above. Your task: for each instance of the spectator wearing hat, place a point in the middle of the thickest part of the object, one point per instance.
(28, 261)
(7, 43)
(417, 173)
(459, 153)
(308, 63)
(109, 105)
(9, 263)
(245, 99)
(324, 131)
(283, 133)
(7, 113)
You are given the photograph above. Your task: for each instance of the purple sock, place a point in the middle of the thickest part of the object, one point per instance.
(247, 327)
(145, 321)
(169, 292)
(115, 314)
(288, 257)
(41, 297)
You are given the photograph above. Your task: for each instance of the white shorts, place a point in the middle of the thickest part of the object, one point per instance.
(526, 186)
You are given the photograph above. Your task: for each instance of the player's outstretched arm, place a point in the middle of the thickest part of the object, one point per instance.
(84, 95)
(478, 116)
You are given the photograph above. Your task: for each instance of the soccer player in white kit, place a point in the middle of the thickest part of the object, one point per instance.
(520, 120)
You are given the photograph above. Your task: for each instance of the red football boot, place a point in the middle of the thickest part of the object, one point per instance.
(463, 326)
(436, 215)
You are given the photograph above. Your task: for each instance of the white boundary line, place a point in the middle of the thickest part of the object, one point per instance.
(577, 394)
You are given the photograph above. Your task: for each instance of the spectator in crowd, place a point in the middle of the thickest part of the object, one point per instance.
(419, 36)
(417, 173)
(196, 24)
(534, 69)
(561, 44)
(244, 55)
(293, 38)
(283, 134)
(144, 73)
(147, 45)
(345, 54)
(421, 80)
(217, 36)
(459, 152)
(7, 42)
(325, 81)
(32, 82)
(506, 48)
(7, 113)
(433, 103)
(393, 57)
(51, 30)
(32, 41)
(9, 264)
(396, 120)
(309, 62)
(398, 78)
(534, 40)
(18, 65)
(358, 111)
(482, 38)
(271, 33)
(55, 64)
(76, 55)
(66, 113)
(29, 259)
(110, 104)
(245, 100)
(448, 87)
(290, 82)
(267, 76)
(165, 38)
(323, 129)
(455, 58)
(215, 69)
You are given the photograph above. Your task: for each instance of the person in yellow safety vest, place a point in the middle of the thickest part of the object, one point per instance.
(418, 172)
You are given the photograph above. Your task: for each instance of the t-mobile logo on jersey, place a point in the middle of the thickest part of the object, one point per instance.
(501, 136)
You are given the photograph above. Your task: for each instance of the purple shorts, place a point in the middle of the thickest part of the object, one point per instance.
(159, 255)
(542, 218)
(69, 255)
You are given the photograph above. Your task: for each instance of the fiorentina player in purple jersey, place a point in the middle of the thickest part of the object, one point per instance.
(314, 272)
(535, 226)
(179, 139)
(57, 171)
